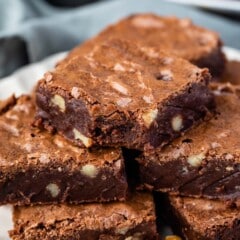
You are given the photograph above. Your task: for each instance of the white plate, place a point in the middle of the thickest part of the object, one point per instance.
(23, 81)
(224, 6)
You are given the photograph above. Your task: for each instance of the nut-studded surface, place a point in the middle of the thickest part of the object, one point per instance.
(204, 162)
(37, 167)
(177, 36)
(130, 220)
(120, 94)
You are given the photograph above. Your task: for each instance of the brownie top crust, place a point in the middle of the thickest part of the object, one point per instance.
(26, 145)
(117, 215)
(208, 218)
(121, 75)
(178, 36)
(172, 32)
(216, 139)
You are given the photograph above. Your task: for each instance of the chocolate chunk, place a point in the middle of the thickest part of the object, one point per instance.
(37, 167)
(130, 220)
(204, 162)
(113, 96)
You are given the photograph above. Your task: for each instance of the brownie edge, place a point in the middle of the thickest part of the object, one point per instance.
(206, 160)
(37, 167)
(181, 37)
(120, 94)
(133, 219)
(200, 219)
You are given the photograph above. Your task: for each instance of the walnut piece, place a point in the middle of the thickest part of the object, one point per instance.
(119, 67)
(229, 168)
(53, 189)
(123, 102)
(148, 99)
(196, 160)
(75, 92)
(122, 230)
(177, 123)
(149, 116)
(48, 76)
(85, 140)
(59, 101)
(119, 87)
(164, 75)
(89, 170)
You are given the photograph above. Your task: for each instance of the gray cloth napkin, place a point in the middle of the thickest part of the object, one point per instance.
(31, 30)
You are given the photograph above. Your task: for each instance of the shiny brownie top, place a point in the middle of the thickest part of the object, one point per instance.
(119, 75)
(178, 36)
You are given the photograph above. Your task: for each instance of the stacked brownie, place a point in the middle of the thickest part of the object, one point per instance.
(125, 113)
(39, 168)
(204, 195)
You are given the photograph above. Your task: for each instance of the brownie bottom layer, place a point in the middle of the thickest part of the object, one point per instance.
(55, 185)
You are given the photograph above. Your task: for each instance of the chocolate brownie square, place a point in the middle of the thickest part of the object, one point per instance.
(178, 36)
(133, 219)
(120, 94)
(37, 167)
(201, 219)
(206, 161)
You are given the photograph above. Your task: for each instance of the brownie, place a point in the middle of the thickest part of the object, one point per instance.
(202, 219)
(6, 104)
(232, 73)
(37, 167)
(206, 161)
(130, 220)
(120, 94)
(178, 36)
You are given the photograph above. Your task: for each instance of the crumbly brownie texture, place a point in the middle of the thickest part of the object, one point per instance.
(120, 94)
(202, 219)
(206, 161)
(36, 167)
(178, 36)
(130, 220)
